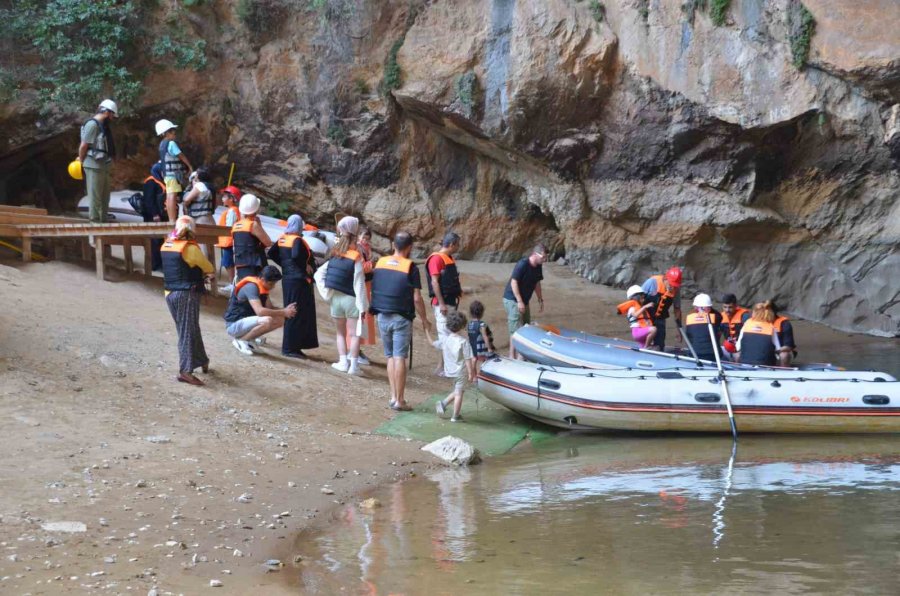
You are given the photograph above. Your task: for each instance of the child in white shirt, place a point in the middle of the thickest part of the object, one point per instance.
(459, 363)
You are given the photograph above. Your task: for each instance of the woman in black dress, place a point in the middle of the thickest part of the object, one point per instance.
(297, 266)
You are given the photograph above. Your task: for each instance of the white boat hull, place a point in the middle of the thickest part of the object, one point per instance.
(691, 400)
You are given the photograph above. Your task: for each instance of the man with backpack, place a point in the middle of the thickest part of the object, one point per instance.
(96, 153)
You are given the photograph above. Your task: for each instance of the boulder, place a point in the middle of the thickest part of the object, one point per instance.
(453, 451)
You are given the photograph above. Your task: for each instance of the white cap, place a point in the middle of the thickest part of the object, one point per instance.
(634, 290)
(163, 126)
(109, 105)
(249, 205)
(702, 301)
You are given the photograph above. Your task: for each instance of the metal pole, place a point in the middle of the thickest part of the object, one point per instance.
(724, 383)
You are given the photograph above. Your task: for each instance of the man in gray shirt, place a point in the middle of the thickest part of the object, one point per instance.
(96, 154)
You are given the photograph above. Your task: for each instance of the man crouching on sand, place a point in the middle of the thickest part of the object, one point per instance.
(248, 315)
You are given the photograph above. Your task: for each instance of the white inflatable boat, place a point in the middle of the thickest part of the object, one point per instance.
(786, 401)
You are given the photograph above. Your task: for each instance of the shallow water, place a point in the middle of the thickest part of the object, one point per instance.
(636, 514)
(630, 514)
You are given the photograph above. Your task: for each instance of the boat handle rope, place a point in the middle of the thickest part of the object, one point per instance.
(714, 378)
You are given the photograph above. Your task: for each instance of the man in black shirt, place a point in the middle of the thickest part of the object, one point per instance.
(525, 281)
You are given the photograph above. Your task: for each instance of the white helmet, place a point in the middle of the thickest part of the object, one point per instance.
(110, 106)
(633, 291)
(702, 301)
(249, 205)
(163, 126)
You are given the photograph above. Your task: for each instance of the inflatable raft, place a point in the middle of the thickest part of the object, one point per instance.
(772, 401)
(566, 347)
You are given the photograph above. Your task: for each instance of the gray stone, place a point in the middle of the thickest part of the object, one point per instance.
(454, 451)
(68, 527)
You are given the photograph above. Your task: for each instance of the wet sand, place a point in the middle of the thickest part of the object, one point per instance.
(97, 431)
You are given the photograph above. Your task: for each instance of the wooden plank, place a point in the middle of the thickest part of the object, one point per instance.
(85, 250)
(10, 231)
(148, 258)
(25, 218)
(99, 250)
(26, 250)
(129, 258)
(22, 210)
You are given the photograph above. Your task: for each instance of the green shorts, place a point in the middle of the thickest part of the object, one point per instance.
(173, 186)
(343, 306)
(514, 318)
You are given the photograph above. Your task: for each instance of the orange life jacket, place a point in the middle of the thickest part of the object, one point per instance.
(177, 274)
(391, 291)
(643, 319)
(289, 268)
(756, 343)
(664, 298)
(227, 241)
(734, 321)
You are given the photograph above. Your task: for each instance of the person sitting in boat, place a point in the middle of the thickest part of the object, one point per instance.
(696, 327)
(663, 292)
(636, 310)
(785, 332)
(733, 319)
(758, 342)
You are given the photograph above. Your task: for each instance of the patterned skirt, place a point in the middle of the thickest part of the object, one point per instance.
(184, 305)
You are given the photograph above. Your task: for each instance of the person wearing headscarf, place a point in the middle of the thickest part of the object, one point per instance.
(293, 255)
(364, 247)
(184, 268)
(344, 284)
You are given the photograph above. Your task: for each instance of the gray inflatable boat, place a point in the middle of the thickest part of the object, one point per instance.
(545, 344)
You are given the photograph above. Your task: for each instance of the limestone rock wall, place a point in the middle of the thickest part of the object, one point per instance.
(630, 142)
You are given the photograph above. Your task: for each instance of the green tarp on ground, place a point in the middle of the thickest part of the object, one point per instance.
(491, 428)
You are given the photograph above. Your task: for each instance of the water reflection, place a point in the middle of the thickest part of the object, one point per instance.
(625, 514)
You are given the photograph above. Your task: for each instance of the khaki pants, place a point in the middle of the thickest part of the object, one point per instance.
(98, 189)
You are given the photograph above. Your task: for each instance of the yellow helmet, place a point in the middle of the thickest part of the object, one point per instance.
(75, 170)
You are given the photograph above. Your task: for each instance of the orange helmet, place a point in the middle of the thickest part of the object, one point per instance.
(673, 276)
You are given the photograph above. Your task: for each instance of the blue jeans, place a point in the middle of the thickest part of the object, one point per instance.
(396, 332)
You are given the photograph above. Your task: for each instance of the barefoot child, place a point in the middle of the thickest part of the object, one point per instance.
(635, 310)
(459, 363)
(480, 336)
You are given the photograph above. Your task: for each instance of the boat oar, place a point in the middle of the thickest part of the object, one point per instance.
(722, 381)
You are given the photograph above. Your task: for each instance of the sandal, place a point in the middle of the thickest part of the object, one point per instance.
(398, 408)
(190, 379)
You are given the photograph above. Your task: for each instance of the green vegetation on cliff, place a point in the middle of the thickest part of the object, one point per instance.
(802, 26)
(89, 49)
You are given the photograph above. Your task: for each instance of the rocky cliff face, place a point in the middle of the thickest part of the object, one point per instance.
(629, 135)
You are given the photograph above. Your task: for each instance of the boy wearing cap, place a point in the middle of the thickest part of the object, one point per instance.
(230, 195)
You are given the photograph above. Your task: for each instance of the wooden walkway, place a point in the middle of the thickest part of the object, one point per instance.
(27, 223)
